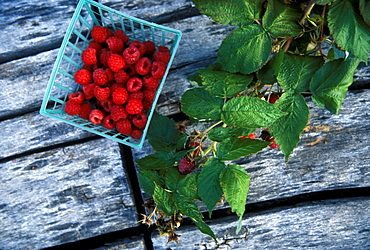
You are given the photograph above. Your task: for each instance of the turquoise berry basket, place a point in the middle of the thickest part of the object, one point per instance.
(89, 13)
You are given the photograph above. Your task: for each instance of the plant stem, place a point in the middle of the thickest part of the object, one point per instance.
(307, 11)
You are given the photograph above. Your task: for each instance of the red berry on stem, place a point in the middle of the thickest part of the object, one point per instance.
(186, 166)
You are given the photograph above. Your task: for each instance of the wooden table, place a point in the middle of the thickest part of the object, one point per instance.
(63, 187)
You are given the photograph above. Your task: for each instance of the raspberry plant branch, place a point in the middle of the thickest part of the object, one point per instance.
(253, 98)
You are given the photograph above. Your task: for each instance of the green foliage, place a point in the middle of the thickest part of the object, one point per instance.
(278, 57)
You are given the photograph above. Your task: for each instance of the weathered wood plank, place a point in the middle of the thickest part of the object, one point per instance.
(64, 195)
(329, 224)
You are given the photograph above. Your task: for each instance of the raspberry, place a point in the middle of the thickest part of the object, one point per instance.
(137, 95)
(89, 56)
(101, 93)
(150, 48)
(149, 94)
(273, 98)
(121, 35)
(120, 96)
(150, 82)
(89, 90)
(78, 97)
(147, 104)
(115, 86)
(143, 66)
(140, 120)
(95, 45)
(83, 76)
(108, 122)
(96, 116)
(109, 32)
(99, 34)
(121, 76)
(186, 166)
(162, 56)
(103, 56)
(110, 75)
(251, 136)
(163, 49)
(116, 62)
(158, 69)
(124, 126)
(197, 148)
(134, 84)
(72, 108)
(130, 70)
(115, 44)
(136, 133)
(131, 55)
(134, 106)
(273, 145)
(85, 110)
(107, 104)
(100, 77)
(141, 46)
(118, 112)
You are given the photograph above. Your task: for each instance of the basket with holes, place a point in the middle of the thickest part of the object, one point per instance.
(134, 76)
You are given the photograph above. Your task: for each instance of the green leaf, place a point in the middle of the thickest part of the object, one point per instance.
(223, 133)
(201, 105)
(246, 50)
(234, 148)
(249, 112)
(267, 73)
(234, 181)
(224, 84)
(172, 177)
(147, 180)
(188, 186)
(296, 72)
(162, 134)
(349, 29)
(156, 161)
(365, 10)
(164, 200)
(329, 85)
(204, 228)
(281, 20)
(233, 12)
(287, 129)
(335, 53)
(322, 2)
(195, 80)
(209, 189)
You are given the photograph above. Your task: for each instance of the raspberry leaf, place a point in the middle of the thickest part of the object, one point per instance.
(329, 85)
(323, 2)
(249, 112)
(224, 84)
(233, 12)
(281, 20)
(234, 181)
(222, 133)
(246, 50)
(164, 200)
(173, 177)
(364, 10)
(188, 186)
(209, 188)
(201, 105)
(158, 160)
(296, 72)
(287, 129)
(147, 180)
(349, 29)
(234, 148)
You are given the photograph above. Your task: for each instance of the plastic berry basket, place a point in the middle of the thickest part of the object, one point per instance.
(89, 13)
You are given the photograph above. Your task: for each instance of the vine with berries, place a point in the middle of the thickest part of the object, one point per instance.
(253, 97)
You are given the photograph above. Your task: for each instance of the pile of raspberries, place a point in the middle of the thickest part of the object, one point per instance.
(119, 80)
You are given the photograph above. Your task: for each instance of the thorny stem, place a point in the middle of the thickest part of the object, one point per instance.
(322, 31)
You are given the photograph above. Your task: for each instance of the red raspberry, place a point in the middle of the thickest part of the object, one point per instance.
(101, 93)
(109, 32)
(162, 56)
(273, 145)
(140, 120)
(110, 74)
(147, 104)
(149, 94)
(95, 45)
(134, 84)
(186, 166)
(121, 76)
(89, 90)
(130, 70)
(118, 112)
(158, 69)
(143, 66)
(136, 133)
(120, 96)
(121, 35)
(83, 76)
(134, 106)
(141, 46)
(107, 104)
(131, 55)
(116, 62)
(124, 126)
(89, 56)
(100, 77)
(78, 97)
(108, 122)
(136, 95)
(273, 98)
(115, 86)
(99, 34)
(163, 49)
(197, 148)
(85, 110)
(103, 56)
(150, 48)
(115, 44)
(150, 82)
(251, 136)
(96, 116)
(72, 108)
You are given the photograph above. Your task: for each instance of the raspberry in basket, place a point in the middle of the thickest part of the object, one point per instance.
(143, 66)
(124, 126)
(134, 106)
(99, 34)
(88, 56)
(83, 76)
(72, 108)
(116, 62)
